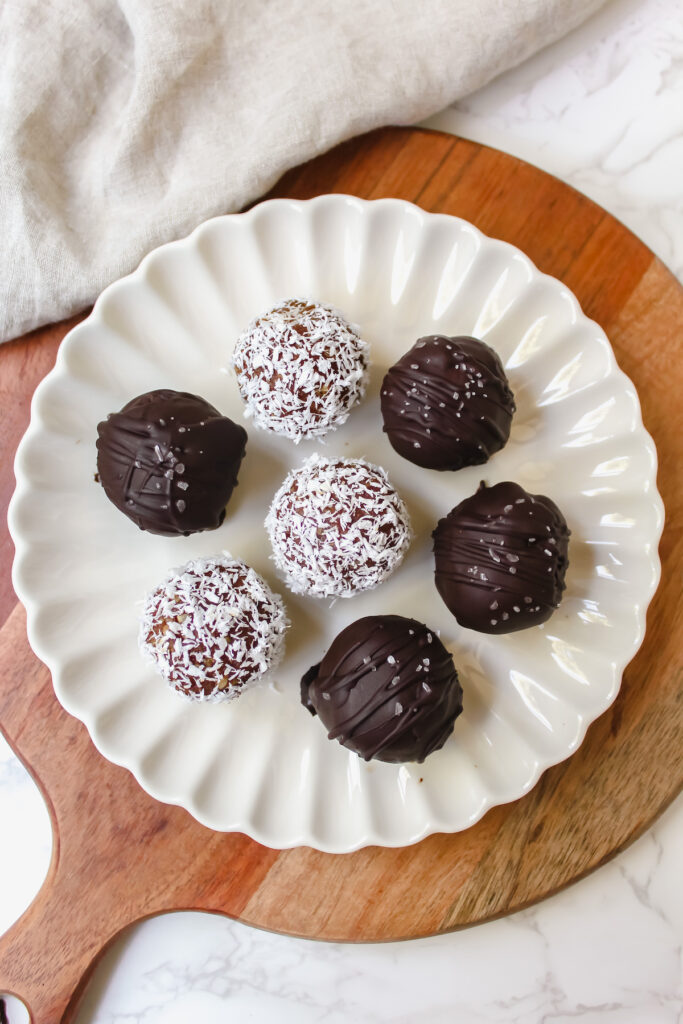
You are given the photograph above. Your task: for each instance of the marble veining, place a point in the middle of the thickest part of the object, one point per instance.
(602, 109)
(606, 950)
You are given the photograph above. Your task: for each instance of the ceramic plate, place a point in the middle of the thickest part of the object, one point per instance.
(262, 765)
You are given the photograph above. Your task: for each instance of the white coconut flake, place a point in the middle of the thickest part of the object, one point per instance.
(337, 527)
(300, 369)
(212, 628)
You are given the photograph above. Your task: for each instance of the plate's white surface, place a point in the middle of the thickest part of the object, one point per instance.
(261, 764)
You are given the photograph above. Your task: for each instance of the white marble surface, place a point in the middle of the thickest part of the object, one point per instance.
(602, 109)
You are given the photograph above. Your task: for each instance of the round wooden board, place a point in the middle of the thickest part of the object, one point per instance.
(120, 856)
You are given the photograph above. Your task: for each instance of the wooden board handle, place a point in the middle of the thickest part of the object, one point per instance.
(63, 916)
(120, 856)
(50, 985)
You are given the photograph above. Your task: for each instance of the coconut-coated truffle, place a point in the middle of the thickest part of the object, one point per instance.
(212, 628)
(337, 527)
(300, 369)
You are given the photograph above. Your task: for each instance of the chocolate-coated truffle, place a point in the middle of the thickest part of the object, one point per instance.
(300, 368)
(337, 527)
(447, 403)
(386, 689)
(212, 628)
(501, 558)
(169, 461)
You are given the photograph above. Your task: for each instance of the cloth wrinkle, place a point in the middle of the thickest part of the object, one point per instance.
(124, 125)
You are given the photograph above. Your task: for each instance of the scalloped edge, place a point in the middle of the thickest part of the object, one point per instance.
(54, 664)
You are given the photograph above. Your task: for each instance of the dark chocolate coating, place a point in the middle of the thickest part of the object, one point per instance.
(447, 403)
(169, 461)
(501, 558)
(386, 689)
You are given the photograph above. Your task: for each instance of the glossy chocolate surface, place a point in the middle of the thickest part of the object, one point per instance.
(386, 689)
(447, 403)
(500, 559)
(169, 461)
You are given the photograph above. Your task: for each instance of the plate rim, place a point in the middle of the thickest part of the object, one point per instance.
(55, 663)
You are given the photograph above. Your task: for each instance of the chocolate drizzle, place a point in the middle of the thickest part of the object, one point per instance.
(169, 461)
(386, 689)
(447, 403)
(501, 558)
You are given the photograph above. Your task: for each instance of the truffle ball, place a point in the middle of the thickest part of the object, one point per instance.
(212, 628)
(501, 558)
(447, 403)
(169, 461)
(300, 368)
(337, 527)
(386, 689)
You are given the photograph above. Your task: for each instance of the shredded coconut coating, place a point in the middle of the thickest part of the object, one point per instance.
(337, 527)
(300, 369)
(212, 628)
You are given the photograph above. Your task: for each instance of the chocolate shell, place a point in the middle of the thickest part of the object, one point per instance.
(501, 558)
(169, 461)
(447, 403)
(386, 689)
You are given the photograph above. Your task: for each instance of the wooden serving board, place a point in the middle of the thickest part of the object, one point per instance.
(120, 856)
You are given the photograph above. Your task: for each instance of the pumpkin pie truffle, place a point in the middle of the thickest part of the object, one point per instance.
(300, 369)
(213, 628)
(386, 689)
(337, 527)
(501, 559)
(447, 403)
(169, 461)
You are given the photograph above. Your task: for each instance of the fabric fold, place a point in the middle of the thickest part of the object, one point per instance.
(124, 125)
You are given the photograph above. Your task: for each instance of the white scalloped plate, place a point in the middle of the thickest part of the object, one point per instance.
(262, 765)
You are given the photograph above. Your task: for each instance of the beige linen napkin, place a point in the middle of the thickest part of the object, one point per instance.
(125, 124)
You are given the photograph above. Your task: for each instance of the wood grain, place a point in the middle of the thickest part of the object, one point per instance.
(120, 856)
